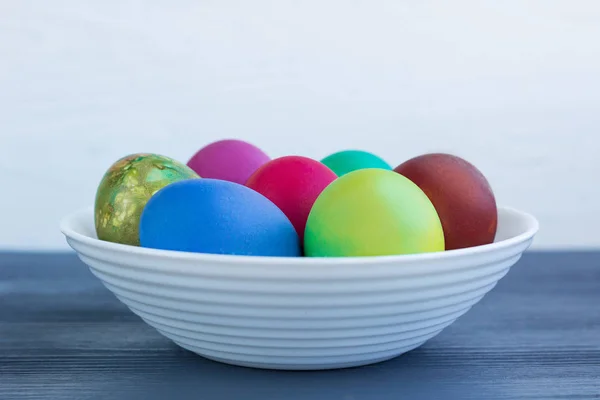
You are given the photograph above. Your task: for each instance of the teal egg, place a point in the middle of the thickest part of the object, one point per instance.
(346, 161)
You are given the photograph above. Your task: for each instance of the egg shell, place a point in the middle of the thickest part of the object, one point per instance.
(293, 183)
(347, 161)
(124, 190)
(372, 212)
(230, 160)
(461, 195)
(218, 217)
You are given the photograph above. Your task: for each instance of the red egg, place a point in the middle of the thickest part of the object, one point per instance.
(293, 183)
(460, 194)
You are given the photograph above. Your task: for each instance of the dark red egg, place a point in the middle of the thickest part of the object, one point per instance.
(460, 194)
(293, 183)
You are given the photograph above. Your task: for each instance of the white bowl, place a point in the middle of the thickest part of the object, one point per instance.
(300, 313)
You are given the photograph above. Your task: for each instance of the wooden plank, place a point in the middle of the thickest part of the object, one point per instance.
(535, 336)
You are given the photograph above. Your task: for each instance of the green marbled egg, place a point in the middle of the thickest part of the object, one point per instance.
(126, 188)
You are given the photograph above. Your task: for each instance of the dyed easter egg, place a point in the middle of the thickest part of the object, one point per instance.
(230, 160)
(293, 183)
(351, 160)
(372, 212)
(218, 217)
(124, 190)
(461, 195)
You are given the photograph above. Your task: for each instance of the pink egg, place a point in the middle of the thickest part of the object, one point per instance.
(229, 160)
(293, 183)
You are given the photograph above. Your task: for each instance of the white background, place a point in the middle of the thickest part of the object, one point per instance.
(512, 86)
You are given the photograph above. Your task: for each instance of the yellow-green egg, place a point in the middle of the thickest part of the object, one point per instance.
(126, 188)
(372, 212)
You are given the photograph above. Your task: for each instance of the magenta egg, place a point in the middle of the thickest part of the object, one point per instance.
(229, 160)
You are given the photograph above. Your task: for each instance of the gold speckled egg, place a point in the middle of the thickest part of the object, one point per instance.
(126, 188)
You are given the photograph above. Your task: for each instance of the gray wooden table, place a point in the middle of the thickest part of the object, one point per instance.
(535, 336)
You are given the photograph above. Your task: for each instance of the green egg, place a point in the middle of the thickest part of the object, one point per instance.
(346, 161)
(125, 189)
(372, 212)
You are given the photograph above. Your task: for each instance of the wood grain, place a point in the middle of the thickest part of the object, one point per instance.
(535, 336)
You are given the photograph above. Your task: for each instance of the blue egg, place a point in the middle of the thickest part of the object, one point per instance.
(218, 217)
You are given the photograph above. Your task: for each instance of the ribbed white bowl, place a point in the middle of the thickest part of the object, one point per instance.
(300, 313)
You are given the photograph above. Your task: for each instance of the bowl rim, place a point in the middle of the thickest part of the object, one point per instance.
(69, 221)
